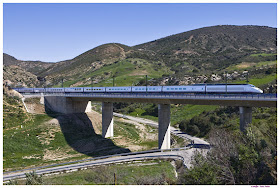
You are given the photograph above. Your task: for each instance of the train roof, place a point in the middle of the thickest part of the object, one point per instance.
(218, 84)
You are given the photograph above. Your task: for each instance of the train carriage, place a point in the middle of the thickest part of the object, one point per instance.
(232, 88)
(73, 90)
(24, 90)
(150, 89)
(184, 89)
(54, 90)
(94, 89)
(39, 90)
(118, 89)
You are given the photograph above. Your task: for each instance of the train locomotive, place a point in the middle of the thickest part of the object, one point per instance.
(196, 89)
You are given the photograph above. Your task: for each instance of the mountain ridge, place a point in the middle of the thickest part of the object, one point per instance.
(202, 50)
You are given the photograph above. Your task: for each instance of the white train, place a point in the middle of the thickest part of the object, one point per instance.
(196, 88)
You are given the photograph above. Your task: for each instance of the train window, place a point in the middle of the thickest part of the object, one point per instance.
(180, 88)
(172, 88)
(176, 88)
(167, 88)
(184, 88)
(154, 89)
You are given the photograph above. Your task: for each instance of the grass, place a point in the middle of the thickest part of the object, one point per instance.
(259, 81)
(178, 112)
(25, 146)
(186, 112)
(125, 72)
(130, 173)
(21, 142)
(126, 130)
(262, 54)
(251, 65)
(266, 63)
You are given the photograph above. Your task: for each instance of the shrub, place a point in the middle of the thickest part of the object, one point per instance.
(33, 179)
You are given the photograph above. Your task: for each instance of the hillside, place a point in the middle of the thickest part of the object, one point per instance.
(15, 76)
(85, 63)
(211, 47)
(33, 67)
(216, 40)
(188, 57)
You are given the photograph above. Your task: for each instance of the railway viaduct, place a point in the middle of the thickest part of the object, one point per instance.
(80, 103)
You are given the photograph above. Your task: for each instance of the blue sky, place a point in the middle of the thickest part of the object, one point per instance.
(56, 32)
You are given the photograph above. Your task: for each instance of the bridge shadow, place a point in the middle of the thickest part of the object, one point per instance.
(79, 133)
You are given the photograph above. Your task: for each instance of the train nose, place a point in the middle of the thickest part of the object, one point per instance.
(259, 90)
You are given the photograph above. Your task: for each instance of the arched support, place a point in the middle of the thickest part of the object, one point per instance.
(107, 120)
(164, 126)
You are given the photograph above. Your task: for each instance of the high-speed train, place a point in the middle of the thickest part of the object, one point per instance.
(196, 88)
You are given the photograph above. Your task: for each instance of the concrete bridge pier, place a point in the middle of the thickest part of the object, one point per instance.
(107, 120)
(245, 117)
(66, 105)
(164, 126)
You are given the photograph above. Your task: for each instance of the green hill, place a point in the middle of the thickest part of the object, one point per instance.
(199, 52)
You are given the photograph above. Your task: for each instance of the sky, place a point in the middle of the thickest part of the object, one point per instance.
(57, 32)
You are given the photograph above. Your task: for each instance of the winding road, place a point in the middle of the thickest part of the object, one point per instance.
(173, 130)
(184, 154)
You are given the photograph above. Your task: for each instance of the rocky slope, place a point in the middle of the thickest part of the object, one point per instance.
(14, 76)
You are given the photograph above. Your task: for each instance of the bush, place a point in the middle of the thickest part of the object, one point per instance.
(33, 179)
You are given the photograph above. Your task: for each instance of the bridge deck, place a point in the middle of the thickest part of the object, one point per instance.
(250, 100)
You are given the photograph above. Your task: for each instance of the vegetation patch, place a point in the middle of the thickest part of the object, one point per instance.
(152, 172)
(259, 81)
